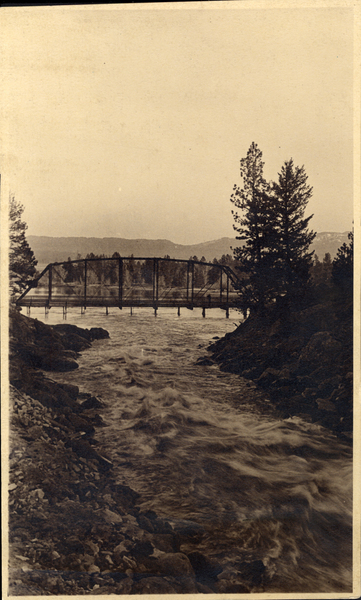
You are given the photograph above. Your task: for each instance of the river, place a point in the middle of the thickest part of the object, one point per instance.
(202, 446)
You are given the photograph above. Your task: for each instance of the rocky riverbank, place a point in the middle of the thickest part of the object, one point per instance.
(73, 528)
(301, 359)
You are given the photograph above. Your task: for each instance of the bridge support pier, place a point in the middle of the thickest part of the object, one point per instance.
(155, 311)
(82, 310)
(65, 310)
(131, 311)
(28, 309)
(106, 310)
(204, 312)
(178, 312)
(227, 312)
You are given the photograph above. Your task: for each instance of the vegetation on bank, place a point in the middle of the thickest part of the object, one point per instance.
(296, 343)
(22, 262)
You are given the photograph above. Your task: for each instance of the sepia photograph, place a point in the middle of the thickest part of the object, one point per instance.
(180, 299)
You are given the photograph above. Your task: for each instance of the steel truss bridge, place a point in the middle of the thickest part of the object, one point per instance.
(131, 282)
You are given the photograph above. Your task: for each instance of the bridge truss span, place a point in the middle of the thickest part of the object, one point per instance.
(132, 281)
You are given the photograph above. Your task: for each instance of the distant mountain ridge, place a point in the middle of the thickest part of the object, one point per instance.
(58, 249)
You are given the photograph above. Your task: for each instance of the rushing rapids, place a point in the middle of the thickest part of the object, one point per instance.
(203, 449)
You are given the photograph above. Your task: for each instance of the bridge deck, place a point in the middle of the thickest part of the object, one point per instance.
(65, 301)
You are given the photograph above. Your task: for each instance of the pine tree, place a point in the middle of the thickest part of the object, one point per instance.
(22, 261)
(289, 238)
(253, 228)
(342, 266)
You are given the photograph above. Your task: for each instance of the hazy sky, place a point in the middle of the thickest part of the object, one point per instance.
(131, 121)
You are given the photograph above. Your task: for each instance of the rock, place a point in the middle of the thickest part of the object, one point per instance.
(189, 530)
(97, 333)
(59, 364)
(268, 376)
(71, 390)
(65, 329)
(80, 424)
(84, 449)
(40, 494)
(253, 572)
(203, 589)
(176, 564)
(252, 373)
(75, 342)
(145, 523)
(310, 393)
(205, 361)
(206, 571)
(125, 496)
(322, 349)
(34, 433)
(125, 585)
(111, 517)
(93, 569)
(231, 586)
(153, 585)
(121, 548)
(327, 386)
(325, 405)
(166, 542)
(183, 584)
(90, 403)
(73, 544)
(142, 548)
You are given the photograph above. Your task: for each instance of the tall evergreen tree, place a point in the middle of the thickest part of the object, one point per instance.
(252, 226)
(275, 258)
(342, 266)
(22, 261)
(290, 238)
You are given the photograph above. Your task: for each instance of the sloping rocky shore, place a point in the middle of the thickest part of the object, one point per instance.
(73, 528)
(301, 359)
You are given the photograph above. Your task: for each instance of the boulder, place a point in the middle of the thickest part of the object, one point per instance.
(321, 349)
(328, 386)
(59, 364)
(252, 572)
(206, 570)
(142, 548)
(325, 405)
(268, 376)
(75, 342)
(71, 390)
(97, 333)
(65, 329)
(90, 403)
(175, 564)
(188, 530)
(84, 449)
(166, 542)
(153, 585)
(205, 361)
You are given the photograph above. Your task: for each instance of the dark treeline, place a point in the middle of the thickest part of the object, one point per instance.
(141, 272)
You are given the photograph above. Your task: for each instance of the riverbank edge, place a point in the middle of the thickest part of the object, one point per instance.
(73, 528)
(302, 360)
